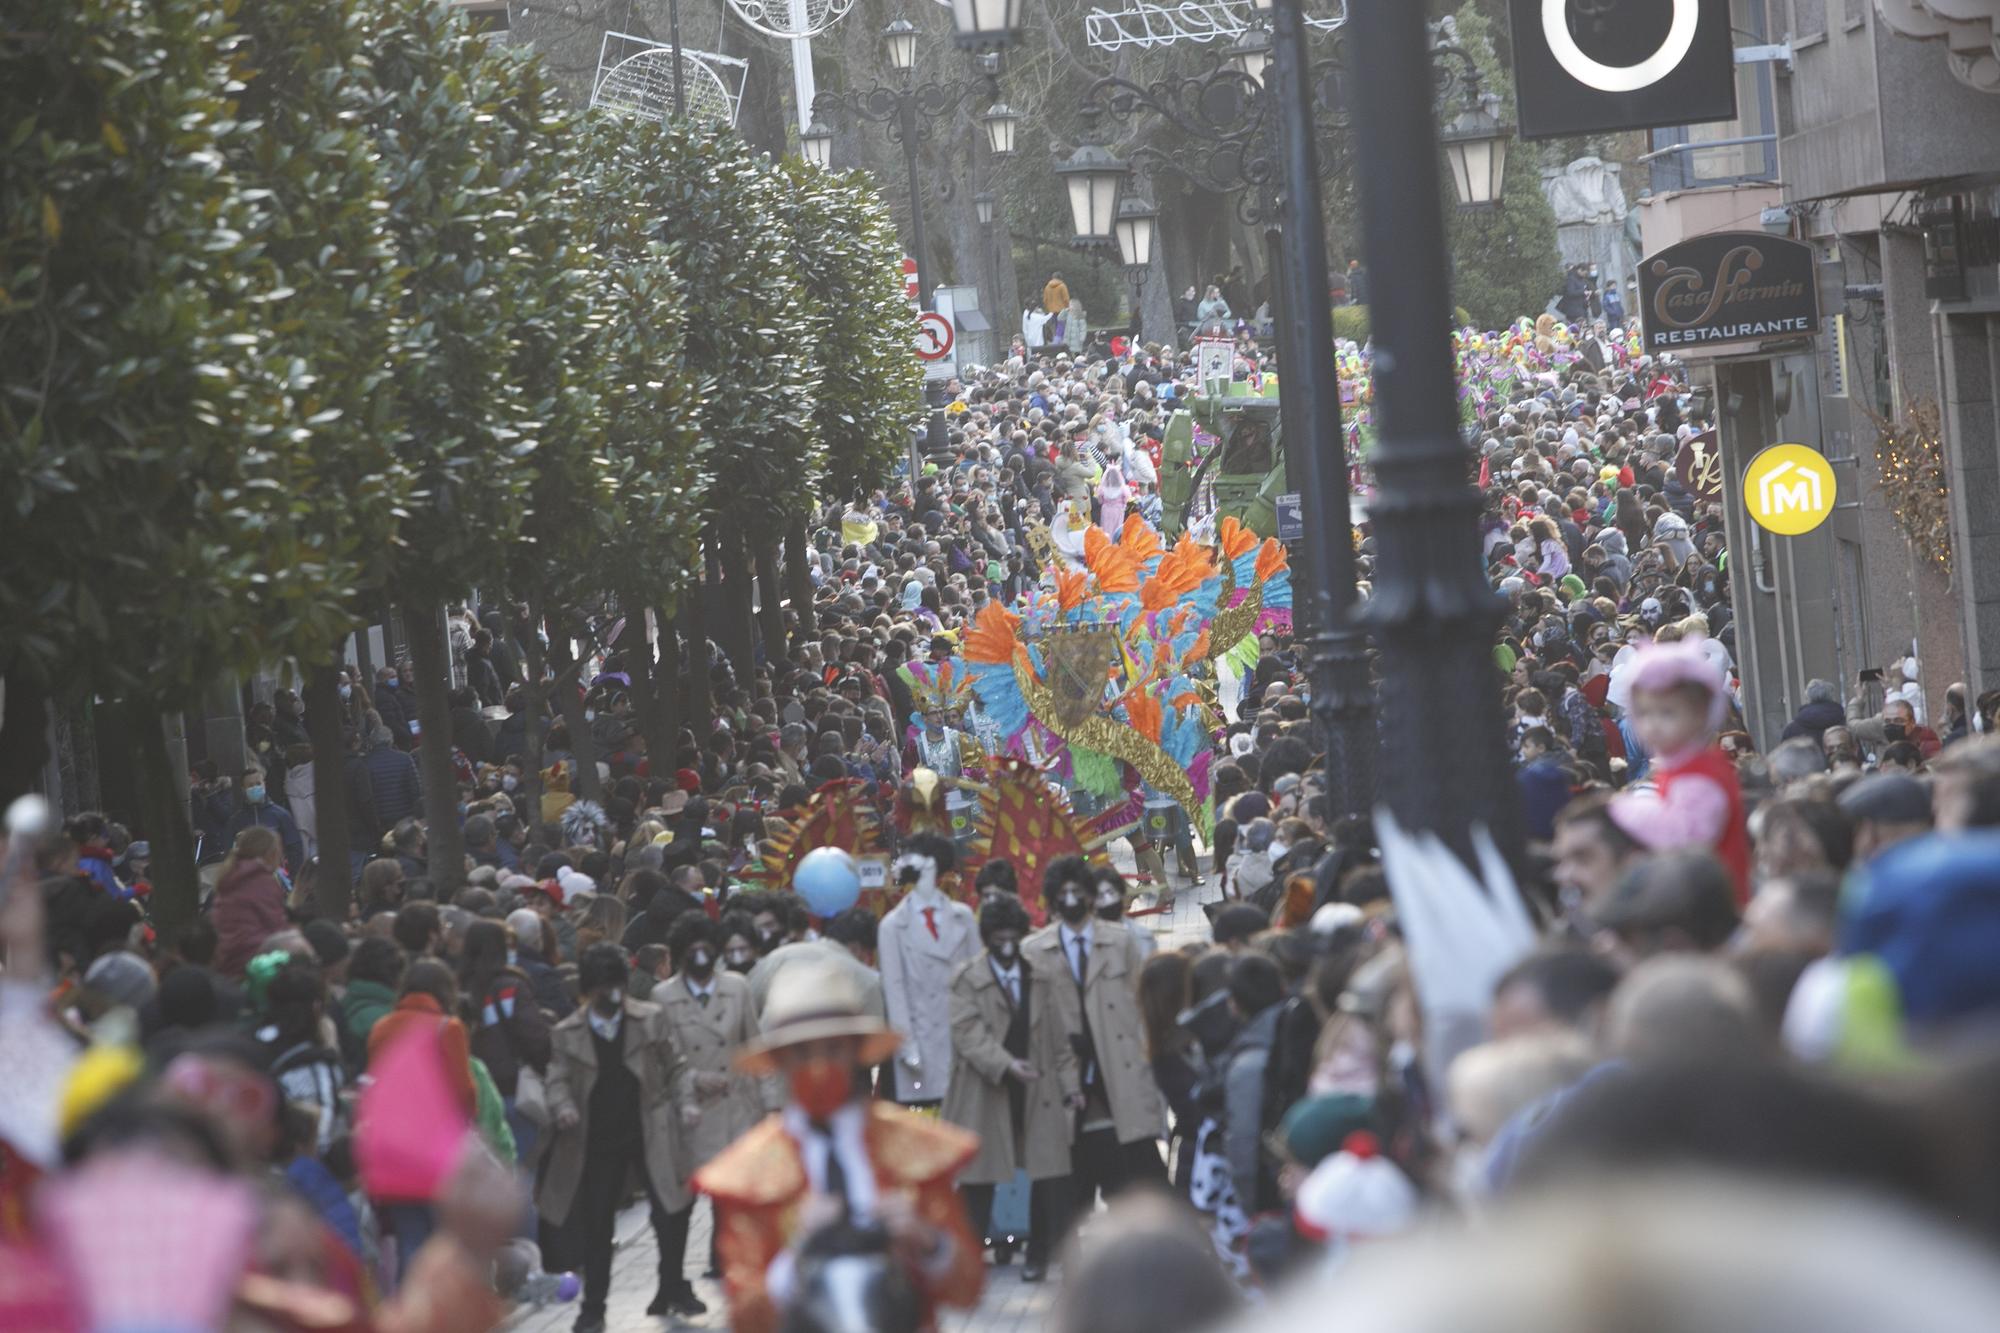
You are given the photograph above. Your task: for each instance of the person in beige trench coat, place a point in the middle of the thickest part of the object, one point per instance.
(709, 1032)
(1116, 1143)
(620, 1096)
(1013, 1080)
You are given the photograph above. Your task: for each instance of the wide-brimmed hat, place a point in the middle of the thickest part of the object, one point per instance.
(815, 1001)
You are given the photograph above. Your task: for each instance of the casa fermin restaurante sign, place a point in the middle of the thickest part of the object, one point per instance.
(1728, 287)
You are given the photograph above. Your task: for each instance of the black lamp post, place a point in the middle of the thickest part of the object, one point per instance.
(911, 111)
(1432, 613)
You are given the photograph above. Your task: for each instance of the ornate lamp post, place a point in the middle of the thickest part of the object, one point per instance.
(1135, 227)
(1432, 614)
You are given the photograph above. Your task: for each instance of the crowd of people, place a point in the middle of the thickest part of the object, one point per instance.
(1708, 955)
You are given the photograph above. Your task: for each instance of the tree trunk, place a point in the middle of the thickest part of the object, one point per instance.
(569, 698)
(333, 891)
(694, 664)
(176, 896)
(798, 582)
(535, 699)
(770, 593)
(652, 690)
(430, 658)
(735, 629)
(24, 733)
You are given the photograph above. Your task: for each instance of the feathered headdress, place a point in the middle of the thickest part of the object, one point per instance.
(943, 688)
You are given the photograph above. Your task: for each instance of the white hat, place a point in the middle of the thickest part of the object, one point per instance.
(1355, 1194)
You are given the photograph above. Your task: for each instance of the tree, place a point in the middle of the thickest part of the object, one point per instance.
(749, 332)
(470, 136)
(1505, 261)
(307, 88)
(150, 410)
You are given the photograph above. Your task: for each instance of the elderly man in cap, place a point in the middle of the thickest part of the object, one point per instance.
(1886, 808)
(836, 1178)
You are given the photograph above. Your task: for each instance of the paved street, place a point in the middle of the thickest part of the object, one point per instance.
(1010, 1305)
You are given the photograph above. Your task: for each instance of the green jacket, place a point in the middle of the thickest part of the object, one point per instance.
(362, 1006)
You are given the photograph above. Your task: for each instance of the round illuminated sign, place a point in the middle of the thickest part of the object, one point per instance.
(1620, 78)
(1788, 489)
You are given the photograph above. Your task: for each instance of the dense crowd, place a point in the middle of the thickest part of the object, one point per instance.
(1709, 955)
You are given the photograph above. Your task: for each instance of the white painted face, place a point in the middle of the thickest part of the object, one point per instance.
(918, 871)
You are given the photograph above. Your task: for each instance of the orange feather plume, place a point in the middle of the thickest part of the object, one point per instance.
(994, 635)
(1139, 539)
(1115, 569)
(1070, 585)
(1233, 538)
(1144, 711)
(1271, 559)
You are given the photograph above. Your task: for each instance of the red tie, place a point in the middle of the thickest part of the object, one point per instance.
(930, 919)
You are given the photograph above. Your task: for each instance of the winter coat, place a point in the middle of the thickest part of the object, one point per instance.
(665, 1085)
(509, 1030)
(1813, 720)
(1110, 997)
(708, 1037)
(1055, 296)
(1243, 1067)
(397, 709)
(398, 787)
(980, 1097)
(916, 986)
(270, 815)
(418, 1010)
(362, 1006)
(248, 908)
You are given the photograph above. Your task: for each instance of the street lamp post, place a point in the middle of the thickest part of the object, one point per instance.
(910, 111)
(1432, 613)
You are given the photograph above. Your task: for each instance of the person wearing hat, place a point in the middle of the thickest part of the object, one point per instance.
(835, 1173)
(620, 1096)
(1886, 809)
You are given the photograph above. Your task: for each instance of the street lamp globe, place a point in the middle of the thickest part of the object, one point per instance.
(1093, 177)
(986, 25)
(982, 204)
(1137, 219)
(1001, 121)
(1475, 145)
(816, 143)
(900, 38)
(1251, 55)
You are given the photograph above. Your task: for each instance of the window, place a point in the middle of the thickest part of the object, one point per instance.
(1808, 19)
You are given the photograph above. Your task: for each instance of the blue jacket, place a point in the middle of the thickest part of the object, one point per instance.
(398, 787)
(270, 815)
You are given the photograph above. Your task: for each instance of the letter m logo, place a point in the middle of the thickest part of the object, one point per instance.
(1801, 495)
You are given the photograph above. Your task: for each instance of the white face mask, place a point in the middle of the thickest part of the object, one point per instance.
(508, 782)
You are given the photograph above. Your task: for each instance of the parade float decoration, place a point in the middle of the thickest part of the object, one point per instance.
(840, 814)
(1106, 678)
(1029, 823)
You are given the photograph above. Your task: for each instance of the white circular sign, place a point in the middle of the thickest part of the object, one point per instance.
(1620, 78)
(934, 336)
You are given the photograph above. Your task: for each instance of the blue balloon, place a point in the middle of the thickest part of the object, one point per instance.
(829, 881)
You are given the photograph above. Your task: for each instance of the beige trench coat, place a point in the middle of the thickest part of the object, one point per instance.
(665, 1085)
(978, 1098)
(1111, 997)
(708, 1037)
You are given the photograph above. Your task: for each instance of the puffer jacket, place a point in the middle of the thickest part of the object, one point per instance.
(249, 908)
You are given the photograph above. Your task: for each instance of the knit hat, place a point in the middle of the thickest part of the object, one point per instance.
(1355, 1195)
(1316, 1127)
(122, 978)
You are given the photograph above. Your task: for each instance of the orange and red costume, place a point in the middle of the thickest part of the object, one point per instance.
(759, 1182)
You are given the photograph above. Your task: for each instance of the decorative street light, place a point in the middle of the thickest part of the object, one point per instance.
(986, 25)
(1475, 144)
(816, 143)
(1251, 54)
(982, 204)
(900, 41)
(1135, 227)
(1001, 121)
(1094, 177)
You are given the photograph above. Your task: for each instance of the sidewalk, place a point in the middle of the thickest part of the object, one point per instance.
(1009, 1305)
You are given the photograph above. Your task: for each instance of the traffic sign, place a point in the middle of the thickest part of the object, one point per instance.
(934, 336)
(1291, 518)
(1789, 489)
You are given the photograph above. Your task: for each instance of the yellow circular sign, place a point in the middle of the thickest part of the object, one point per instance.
(1789, 489)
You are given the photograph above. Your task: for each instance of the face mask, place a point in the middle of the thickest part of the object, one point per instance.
(701, 964)
(254, 795)
(1073, 905)
(821, 1087)
(609, 1002)
(590, 715)
(388, 682)
(1007, 951)
(508, 782)
(741, 958)
(346, 692)
(772, 938)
